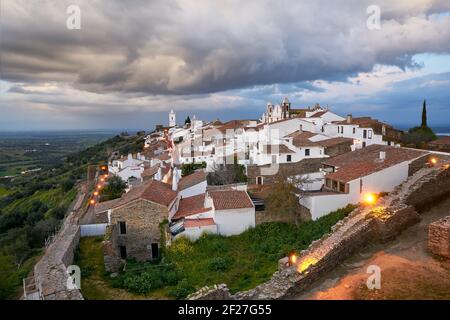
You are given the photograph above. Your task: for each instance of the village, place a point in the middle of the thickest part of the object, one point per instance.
(334, 161)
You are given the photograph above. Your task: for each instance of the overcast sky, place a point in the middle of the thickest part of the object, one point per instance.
(133, 61)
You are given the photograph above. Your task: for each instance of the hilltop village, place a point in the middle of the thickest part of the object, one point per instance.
(185, 176)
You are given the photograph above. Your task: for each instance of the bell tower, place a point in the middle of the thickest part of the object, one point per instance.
(172, 119)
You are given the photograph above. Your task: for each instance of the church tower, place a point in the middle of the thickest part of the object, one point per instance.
(172, 119)
(286, 108)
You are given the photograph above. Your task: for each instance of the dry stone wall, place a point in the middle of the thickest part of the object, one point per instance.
(393, 214)
(439, 237)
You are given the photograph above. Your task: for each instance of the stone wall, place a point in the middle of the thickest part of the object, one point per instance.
(143, 219)
(439, 237)
(51, 271)
(111, 256)
(418, 164)
(101, 217)
(394, 213)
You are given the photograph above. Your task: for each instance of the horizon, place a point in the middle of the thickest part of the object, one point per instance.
(61, 70)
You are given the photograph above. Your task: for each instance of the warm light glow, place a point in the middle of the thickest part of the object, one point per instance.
(292, 258)
(96, 193)
(105, 176)
(370, 198)
(102, 179)
(433, 160)
(103, 168)
(92, 201)
(306, 263)
(99, 186)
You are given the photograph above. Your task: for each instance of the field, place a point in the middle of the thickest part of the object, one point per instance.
(37, 150)
(242, 261)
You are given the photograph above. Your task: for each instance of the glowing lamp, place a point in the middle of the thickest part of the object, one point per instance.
(433, 161)
(370, 198)
(305, 264)
(102, 179)
(96, 193)
(292, 259)
(103, 168)
(92, 201)
(99, 186)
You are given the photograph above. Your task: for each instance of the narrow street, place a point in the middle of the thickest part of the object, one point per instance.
(408, 271)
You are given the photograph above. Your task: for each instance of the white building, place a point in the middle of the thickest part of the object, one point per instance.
(129, 167)
(350, 176)
(172, 119)
(224, 212)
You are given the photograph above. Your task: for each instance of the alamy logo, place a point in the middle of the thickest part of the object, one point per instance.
(73, 22)
(374, 20)
(74, 279)
(374, 280)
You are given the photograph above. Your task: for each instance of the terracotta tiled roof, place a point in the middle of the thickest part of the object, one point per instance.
(191, 205)
(230, 199)
(192, 179)
(276, 149)
(318, 114)
(152, 190)
(365, 161)
(303, 134)
(105, 205)
(334, 141)
(150, 171)
(302, 140)
(366, 122)
(194, 223)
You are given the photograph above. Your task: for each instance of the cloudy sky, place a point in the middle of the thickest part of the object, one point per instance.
(132, 61)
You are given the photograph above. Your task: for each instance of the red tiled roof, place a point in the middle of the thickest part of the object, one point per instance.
(191, 205)
(302, 140)
(334, 141)
(230, 199)
(192, 179)
(362, 162)
(194, 223)
(152, 190)
(318, 114)
(105, 205)
(272, 149)
(150, 171)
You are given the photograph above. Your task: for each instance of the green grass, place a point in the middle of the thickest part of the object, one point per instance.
(242, 262)
(3, 191)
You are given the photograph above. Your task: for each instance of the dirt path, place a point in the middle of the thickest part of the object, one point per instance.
(408, 271)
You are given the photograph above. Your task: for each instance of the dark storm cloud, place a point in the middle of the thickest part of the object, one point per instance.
(194, 47)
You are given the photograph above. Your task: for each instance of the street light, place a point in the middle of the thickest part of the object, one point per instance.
(370, 198)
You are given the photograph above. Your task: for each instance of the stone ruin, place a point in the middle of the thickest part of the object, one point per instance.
(393, 214)
(439, 237)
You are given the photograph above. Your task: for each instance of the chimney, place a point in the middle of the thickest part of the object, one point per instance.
(349, 118)
(382, 155)
(130, 156)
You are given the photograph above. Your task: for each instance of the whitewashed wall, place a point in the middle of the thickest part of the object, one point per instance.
(236, 221)
(91, 230)
(197, 189)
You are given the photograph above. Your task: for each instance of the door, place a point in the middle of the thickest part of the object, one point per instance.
(155, 251)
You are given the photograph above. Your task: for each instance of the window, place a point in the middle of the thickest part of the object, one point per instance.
(123, 252)
(122, 227)
(259, 180)
(354, 130)
(341, 187)
(307, 152)
(155, 251)
(364, 144)
(342, 129)
(288, 158)
(328, 183)
(335, 185)
(360, 185)
(364, 134)
(370, 134)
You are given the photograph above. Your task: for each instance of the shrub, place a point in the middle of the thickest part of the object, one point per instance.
(153, 278)
(182, 290)
(219, 264)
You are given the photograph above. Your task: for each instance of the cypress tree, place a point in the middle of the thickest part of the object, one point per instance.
(424, 114)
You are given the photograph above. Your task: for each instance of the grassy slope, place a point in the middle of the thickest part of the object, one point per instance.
(250, 258)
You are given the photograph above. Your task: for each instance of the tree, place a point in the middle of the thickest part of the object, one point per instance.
(114, 189)
(424, 114)
(284, 197)
(187, 121)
